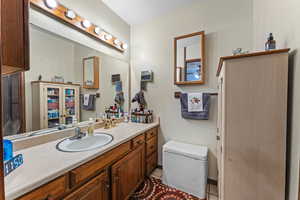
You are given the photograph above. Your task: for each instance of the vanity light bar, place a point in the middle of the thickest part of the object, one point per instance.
(59, 11)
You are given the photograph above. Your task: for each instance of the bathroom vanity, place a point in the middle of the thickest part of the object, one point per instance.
(110, 172)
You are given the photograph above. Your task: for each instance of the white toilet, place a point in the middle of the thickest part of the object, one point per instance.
(185, 167)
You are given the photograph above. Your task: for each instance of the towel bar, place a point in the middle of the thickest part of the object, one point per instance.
(178, 94)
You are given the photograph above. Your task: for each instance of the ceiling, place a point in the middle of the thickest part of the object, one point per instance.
(140, 11)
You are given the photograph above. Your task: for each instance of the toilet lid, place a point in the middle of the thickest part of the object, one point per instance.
(189, 150)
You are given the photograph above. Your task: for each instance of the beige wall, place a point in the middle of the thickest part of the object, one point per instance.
(228, 25)
(282, 19)
(95, 11)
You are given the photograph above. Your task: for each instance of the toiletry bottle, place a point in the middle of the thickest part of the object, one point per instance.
(271, 43)
(91, 127)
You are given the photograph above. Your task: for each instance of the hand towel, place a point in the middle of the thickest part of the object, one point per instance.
(204, 115)
(86, 99)
(195, 102)
(91, 102)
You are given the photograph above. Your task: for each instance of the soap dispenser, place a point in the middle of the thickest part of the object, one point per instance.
(91, 127)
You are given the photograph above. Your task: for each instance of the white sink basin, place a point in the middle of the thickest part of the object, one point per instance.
(86, 143)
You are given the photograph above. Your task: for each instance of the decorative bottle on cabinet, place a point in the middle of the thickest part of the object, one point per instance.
(252, 125)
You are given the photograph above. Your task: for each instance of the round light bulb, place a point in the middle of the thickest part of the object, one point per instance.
(97, 30)
(70, 14)
(86, 23)
(117, 42)
(108, 37)
(51, 4)
(125, 46)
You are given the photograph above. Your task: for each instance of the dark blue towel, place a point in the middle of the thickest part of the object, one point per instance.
(204, 115)
(92, 102)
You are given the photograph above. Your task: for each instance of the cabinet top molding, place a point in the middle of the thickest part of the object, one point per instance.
(261, 53)
(59, 13)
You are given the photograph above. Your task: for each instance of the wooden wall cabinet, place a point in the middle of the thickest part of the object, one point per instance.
(252, 126)
(55, 103)
(14, 36)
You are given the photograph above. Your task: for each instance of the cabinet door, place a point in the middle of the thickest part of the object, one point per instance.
(14, 36)
(70, 104)
(128, 173)
(96, 189)
(53, 109)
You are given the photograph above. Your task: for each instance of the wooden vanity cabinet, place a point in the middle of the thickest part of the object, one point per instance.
(14, 37)
(50, 191)
(151, 150)
(128, 174)
(96, 189)
(114, 175)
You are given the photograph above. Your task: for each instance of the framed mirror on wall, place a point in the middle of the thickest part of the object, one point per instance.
(91, 73)
(189, 59)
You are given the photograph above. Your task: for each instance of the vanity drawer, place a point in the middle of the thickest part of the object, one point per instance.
(97, 165)
(151, 163)
(139, 140)
(151, 146)
(151, 133)
(50, 191)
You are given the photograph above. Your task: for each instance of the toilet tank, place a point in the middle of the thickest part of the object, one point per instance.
(185, 167)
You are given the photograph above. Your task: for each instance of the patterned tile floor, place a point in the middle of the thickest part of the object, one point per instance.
(153, 189)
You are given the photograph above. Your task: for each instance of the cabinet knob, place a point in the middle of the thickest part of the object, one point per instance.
(218, 138)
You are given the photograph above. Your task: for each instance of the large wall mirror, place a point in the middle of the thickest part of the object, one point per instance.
(62, 85)
(189, 54)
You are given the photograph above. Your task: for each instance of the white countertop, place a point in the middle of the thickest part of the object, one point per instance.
(44, 163)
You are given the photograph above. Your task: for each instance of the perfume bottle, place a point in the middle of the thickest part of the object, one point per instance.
(271, 43)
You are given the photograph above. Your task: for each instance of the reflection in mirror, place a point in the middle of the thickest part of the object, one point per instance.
(55, 95)
(91, 72)
(189, 59)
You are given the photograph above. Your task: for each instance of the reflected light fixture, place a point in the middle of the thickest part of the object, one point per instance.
(70, 14)
(86, 23)
(97, 30)
(51, 4)
(108, 37)
(124, 46)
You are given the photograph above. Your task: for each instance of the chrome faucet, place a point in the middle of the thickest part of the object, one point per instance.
(78, 134)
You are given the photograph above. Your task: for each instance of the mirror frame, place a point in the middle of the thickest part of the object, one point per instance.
(202, 57)
(96, 73)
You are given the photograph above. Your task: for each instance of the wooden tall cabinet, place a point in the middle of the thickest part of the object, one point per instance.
(14, 36)
(54, 103)
(252, 125)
